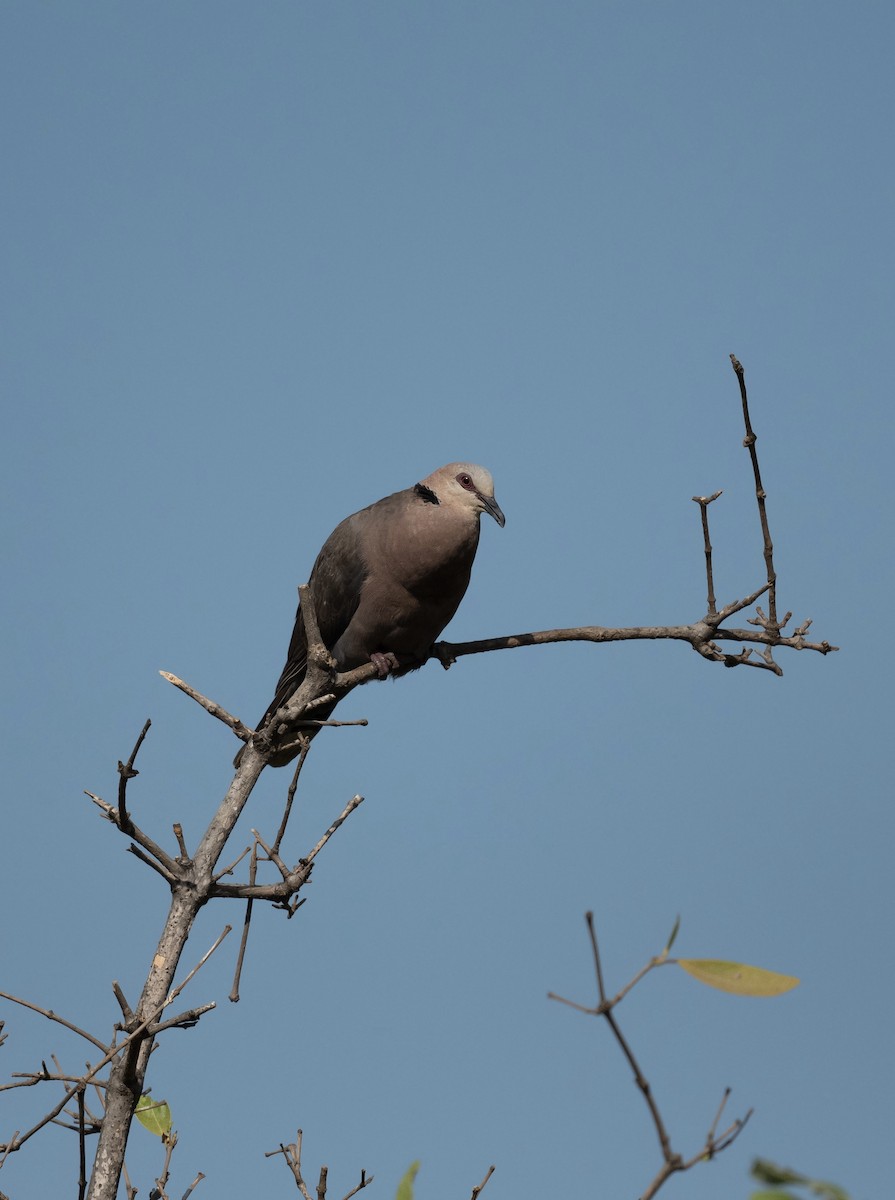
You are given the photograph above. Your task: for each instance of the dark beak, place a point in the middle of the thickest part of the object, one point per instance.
(492, 507)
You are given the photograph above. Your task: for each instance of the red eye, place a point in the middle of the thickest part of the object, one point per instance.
(465, 481)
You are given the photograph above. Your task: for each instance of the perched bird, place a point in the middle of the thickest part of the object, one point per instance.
(389, 579)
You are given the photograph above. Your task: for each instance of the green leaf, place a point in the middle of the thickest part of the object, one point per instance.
(738, 978)
(405, 1187)
(765, 1171)
(673, 934)
(154, 1115)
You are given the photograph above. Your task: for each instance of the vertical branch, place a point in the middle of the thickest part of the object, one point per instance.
(246, 925)
(598, 967)
(749, 442)
(290, 796)
(125, 772)
(82, 1150)
(704, 502)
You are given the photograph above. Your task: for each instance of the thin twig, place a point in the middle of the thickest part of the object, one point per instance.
(126, 1011)
(184, 1020)
(199, 1177)
(229, 870)
(159, 868)
(672, 1161)
(52, 1016)
(365, 1181)
(246, 925)
(272, 855)
(290, 795)
(199, 965)
(92, 1072)
(477, 1190)
(353, 803)
(135, 832)
(699, 635)
(592, 933)
(760, 495)
(704, 502)
(126, 772)
(242, 731)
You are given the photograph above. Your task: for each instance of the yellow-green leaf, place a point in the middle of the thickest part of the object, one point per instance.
(154, 1115)
(405, 1187)
(738, 978)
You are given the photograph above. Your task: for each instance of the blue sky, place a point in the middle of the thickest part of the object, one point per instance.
(265, 264)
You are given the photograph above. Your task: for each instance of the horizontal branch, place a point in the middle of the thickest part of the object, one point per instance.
(281, 891)
(700, 635)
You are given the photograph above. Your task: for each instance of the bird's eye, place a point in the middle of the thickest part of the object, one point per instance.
(465, 480)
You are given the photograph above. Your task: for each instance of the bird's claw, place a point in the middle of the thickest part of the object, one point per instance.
(384, 663)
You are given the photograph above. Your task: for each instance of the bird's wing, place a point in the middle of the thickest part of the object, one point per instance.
(335, 582)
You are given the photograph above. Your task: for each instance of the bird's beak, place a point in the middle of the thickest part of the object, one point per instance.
(491, 506)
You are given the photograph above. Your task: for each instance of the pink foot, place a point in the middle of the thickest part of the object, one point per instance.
(384, 663)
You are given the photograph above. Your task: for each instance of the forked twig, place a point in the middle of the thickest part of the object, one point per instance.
(292, 1157)
(672, 1161)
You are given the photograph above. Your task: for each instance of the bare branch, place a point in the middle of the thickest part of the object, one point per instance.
(229, 870)
(52, 1016)
(700, 635)
(199, 965)
(292, 1155)
(477, 1190)
(169, 865)
(672, 1161)
(365, 1181)
(704, 502)
(290, 794)
(199, 1177)
(242, 731)
(319, 658)
(126, 1011)
(353, 803)
(159, 868)
(592, 933)
(272, 855)
(246, 926)
(82, 1152)
(133, 1036)
(184, 1020)
(760, 495)
(126, 772)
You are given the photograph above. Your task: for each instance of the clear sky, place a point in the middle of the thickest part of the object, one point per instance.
(263, 264)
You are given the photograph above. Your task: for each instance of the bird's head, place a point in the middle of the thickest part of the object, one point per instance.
(464, 485)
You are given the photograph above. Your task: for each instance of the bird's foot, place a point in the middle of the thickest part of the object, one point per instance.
(384, 663)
